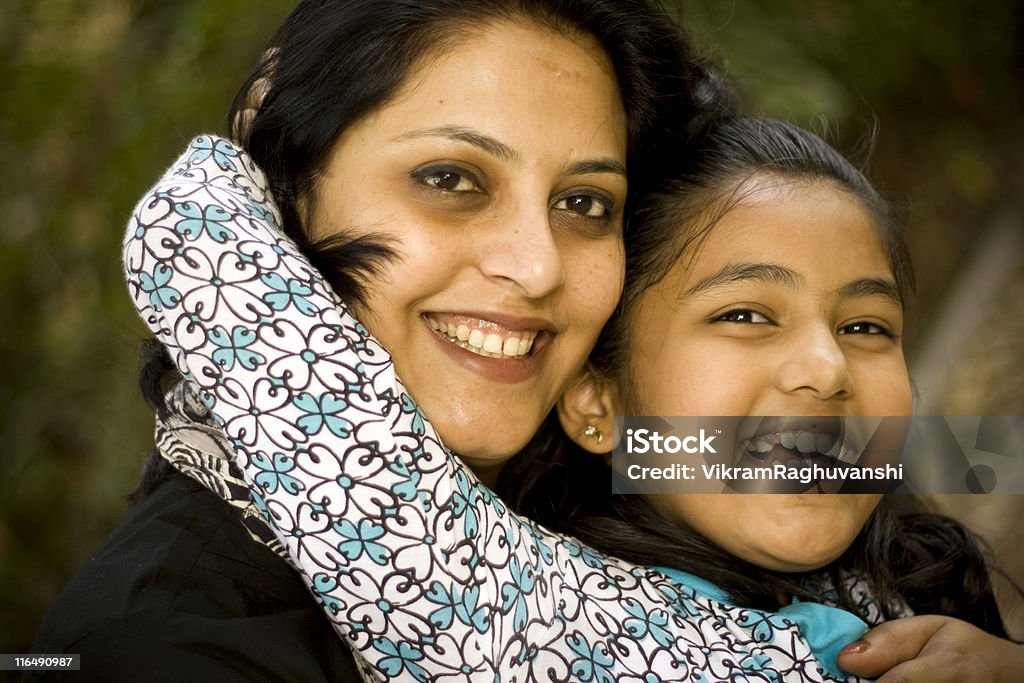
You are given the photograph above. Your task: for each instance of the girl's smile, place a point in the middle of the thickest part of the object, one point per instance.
(787, 307)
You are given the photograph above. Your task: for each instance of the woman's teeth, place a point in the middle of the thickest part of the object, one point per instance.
(485, 342)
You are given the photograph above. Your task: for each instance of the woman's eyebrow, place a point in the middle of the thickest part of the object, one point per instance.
(505, 153)
(747, 272)
(468, 135)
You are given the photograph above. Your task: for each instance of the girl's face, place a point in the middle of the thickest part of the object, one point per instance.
(498, 172)
(789, 308)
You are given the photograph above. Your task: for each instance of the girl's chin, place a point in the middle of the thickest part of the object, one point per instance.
(795, 564)
(789, 555)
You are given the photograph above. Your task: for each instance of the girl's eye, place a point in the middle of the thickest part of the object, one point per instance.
(743, 315)
(447, 179)
(863, 327)
(585, 205)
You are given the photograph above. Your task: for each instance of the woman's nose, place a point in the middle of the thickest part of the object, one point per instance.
(524, 253)
(815, 365)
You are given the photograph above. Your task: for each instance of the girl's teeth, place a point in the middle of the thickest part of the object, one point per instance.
(805, 442)
(511, 347)
(476, 338)
(462, 332)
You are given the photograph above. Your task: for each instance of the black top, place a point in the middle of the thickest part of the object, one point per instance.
(181, 592)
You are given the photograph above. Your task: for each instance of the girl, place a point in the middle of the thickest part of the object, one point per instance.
(424, 570)
(766, 278)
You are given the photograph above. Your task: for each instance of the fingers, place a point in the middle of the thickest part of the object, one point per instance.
(889, 645)
(947, 666)
(933, 649)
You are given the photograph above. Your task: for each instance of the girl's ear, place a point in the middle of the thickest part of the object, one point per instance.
(586, 410)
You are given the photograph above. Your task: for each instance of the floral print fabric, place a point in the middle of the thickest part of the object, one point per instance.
(422, 568)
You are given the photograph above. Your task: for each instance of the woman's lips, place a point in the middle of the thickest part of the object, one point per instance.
(499, 348)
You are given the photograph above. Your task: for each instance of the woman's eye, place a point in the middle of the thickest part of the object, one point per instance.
(447, 180)
(743, 315)
(584, 205)
(863, 327)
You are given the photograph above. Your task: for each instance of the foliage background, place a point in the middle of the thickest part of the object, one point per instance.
(98, 96)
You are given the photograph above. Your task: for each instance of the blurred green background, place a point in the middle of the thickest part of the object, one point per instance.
(98, 96)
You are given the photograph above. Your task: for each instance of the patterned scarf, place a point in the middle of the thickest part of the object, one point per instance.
(188, 438)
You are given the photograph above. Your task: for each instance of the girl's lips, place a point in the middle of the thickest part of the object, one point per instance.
(801, 436)
(498, 348)
(797, 441)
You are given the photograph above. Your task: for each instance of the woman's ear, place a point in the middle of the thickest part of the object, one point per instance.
(586, 410)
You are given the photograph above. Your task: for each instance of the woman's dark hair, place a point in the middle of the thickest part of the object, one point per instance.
(904, 553)
(333, 62)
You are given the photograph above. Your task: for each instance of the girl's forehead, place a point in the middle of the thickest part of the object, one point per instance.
(814, 226)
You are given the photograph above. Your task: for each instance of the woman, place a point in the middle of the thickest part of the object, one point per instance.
(486, 140)
(446, 179)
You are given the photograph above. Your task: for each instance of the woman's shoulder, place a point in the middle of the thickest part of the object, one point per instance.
(181, 588)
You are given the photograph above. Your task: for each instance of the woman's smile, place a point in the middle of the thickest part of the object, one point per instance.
(500, 186)
(484, 337)
(508, 352)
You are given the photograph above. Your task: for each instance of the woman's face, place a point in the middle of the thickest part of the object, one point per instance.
(498, 172)
(789, 308)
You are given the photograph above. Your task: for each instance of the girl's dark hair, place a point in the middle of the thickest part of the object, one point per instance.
(678, 211)
(904, 553)
(333, 62)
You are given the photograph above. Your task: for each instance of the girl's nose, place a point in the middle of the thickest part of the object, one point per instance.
(815, 365)
(525, 254)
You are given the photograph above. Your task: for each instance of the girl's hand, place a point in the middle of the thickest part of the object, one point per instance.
(933, 649)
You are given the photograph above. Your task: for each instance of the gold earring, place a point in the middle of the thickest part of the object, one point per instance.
(594, 433)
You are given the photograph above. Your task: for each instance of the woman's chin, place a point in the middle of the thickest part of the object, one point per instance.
(483, 446)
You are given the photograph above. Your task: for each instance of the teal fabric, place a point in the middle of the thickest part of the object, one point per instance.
(826, 629)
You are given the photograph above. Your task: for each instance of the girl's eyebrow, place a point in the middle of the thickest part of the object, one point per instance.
(748, 272)
(780, 275)
(871, 286)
